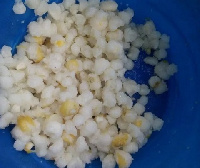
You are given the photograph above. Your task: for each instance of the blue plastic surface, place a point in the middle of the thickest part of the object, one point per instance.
(177, 145)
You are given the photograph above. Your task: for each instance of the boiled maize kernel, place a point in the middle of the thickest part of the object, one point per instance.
(125, 110)
(138, 123)
(39, 40)
(121, 161)
(68, 138)
(25, 123)
(28, 147)
(72, 65)
(62, 88)
(21, 46)
(60, 43)
(21, 66)
(45, 105)
(102, 22)
(68, 108)
(39, 56)
(113, 35)
(120, 140)
(156, 84)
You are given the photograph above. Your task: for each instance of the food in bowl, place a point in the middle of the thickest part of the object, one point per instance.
(65, 89)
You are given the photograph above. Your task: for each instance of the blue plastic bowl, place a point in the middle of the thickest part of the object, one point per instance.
(177, 145)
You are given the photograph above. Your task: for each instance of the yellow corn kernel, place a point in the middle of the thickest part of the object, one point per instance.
(138, 123)
(39, 56)
(68, 108)
(68, 138)
(120, 140)
(25, 123)
(28, 147)
(72, 65)
(60, 43)
(121, 161)
(39, 40)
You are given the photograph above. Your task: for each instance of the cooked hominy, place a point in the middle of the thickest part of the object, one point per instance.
(65, 89)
